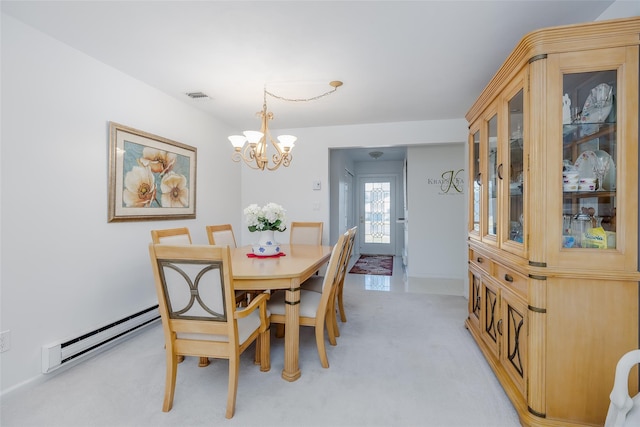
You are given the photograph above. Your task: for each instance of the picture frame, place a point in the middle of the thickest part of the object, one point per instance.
(150, 177)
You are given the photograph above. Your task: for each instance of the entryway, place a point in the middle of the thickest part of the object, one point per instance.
(377, 214)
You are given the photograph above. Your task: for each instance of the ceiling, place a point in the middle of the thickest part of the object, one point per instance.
(399, 60)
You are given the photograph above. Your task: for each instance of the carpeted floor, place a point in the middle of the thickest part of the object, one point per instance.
(379, 265)
(402, 359)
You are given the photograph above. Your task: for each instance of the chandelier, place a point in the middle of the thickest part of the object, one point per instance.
(252, 146)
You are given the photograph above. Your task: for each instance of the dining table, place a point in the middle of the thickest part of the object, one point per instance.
(286, 271)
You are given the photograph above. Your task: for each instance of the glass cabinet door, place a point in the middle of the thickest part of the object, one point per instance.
(492, 178)
(515, 205)
(476, 182)
(589, 151)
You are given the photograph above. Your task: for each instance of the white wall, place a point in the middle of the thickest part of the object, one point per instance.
(621, 9)
(339, 163)
(437, 212)
(64, 269)
(291, 187)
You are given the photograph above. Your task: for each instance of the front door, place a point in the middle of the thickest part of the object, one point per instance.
(377, 208)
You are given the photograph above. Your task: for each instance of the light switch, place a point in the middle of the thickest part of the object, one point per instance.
(316, 185)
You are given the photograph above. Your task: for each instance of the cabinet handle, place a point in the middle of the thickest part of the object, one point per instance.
(500, 171)
(508, 278)
(480, 260)
(500, 326)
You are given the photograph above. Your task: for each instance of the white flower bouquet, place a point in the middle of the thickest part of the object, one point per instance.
(269, 217)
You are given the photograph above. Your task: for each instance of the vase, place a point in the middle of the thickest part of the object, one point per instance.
(266, 245)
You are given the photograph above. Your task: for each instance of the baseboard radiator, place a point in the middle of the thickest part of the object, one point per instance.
(57, 354)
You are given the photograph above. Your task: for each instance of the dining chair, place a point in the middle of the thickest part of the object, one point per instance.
(176, 236)
(315, 306)
(624, 410)
(352, 237)
(192, 283)
(221, 235)
(305, 233)
(314, 283)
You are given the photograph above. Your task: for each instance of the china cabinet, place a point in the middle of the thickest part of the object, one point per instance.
(553, 220)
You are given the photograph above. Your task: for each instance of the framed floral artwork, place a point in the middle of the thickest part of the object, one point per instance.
(150, 177)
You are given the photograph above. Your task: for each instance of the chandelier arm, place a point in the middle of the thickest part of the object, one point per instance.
(248, 156)
(274, 143)
(280, 160)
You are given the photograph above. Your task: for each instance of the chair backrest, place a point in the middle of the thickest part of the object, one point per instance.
(172, 236)
(305, 233)
(352, 238)
(332, 275)
(624, 411)
(192, 284)
(221, 235)
(349, 243)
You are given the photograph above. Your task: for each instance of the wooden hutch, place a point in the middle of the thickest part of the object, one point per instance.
(553, 262)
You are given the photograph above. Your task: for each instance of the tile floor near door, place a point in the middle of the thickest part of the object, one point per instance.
(404, 358)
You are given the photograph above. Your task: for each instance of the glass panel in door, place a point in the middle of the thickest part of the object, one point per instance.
(377, 216)
(475, 179)
(492, 182)
(516, 168)
(589, 146)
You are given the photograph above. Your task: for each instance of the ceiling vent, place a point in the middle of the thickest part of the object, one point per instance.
(197, 95)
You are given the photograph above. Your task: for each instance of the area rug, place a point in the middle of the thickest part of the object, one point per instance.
(379, 265)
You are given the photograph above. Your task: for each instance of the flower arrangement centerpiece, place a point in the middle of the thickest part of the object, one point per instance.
(266, 220)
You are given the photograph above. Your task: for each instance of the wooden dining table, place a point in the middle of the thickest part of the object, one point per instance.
(283, 272)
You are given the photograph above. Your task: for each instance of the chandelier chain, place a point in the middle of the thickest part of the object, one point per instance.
(315, 98)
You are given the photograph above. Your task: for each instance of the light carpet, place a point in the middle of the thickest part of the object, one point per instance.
(403, 359)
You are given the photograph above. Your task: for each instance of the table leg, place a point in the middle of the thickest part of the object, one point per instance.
(291, 371)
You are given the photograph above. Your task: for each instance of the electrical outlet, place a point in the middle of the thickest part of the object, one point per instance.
(5, 341)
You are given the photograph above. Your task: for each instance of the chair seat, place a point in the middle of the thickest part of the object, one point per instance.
(309, 302)
(246, 326)
(313, 283)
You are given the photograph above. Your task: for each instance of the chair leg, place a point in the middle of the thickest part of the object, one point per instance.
(234, 362)
(343, 316)
(204, 361)
(257, 356)
(334, 314)
(180, 357)
(322, 351)
(263, 344)
(331, 323)
(170, 381)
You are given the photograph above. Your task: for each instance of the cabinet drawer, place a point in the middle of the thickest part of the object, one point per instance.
(483, 262)
(512, 280)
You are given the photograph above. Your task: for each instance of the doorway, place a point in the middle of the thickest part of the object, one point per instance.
(377, 214)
